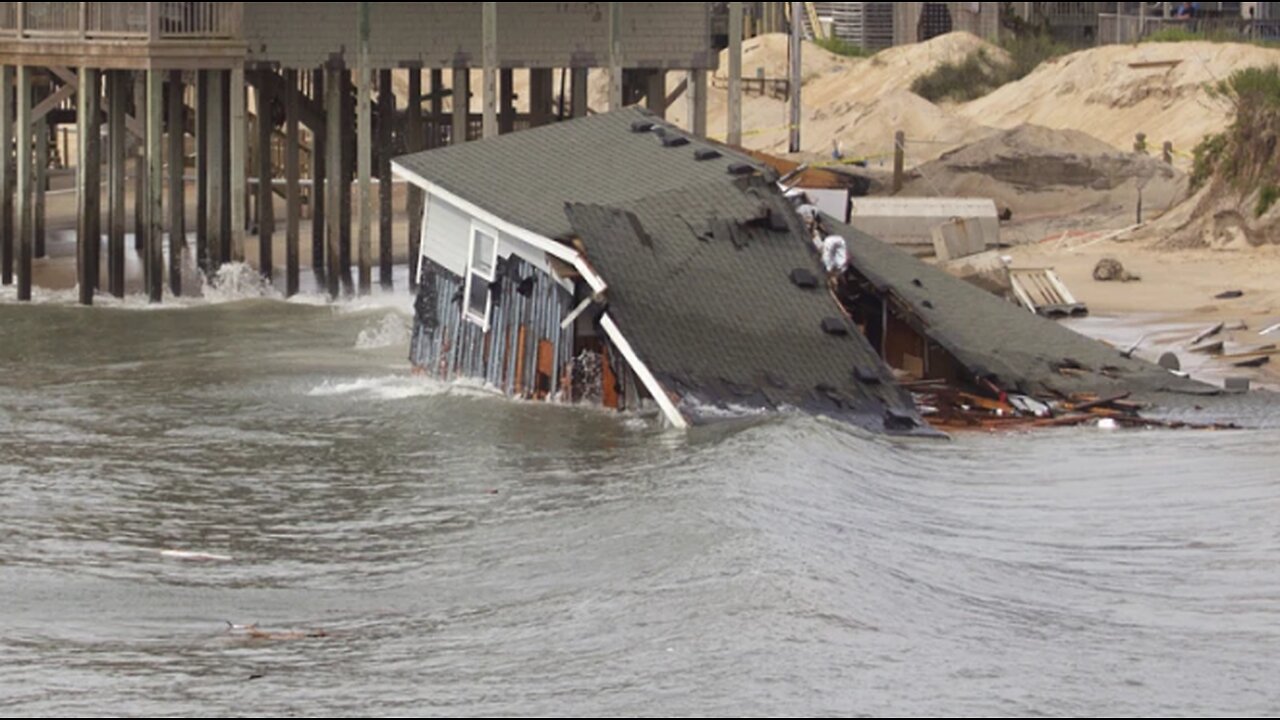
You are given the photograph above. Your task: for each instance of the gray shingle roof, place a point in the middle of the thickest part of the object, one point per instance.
(526, 177)
(700, 283)
(1025, 351)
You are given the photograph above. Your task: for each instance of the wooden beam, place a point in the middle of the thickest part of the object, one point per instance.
(215, 178)
(489, 35)
(51, 102)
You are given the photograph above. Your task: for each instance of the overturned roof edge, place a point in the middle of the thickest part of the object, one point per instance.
(557, 250)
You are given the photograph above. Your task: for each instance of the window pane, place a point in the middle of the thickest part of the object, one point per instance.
(478, 297)
(482, 253)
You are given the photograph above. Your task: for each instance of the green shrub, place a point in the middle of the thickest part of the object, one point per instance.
(840, 47)
(979, 74)
(1270, 194)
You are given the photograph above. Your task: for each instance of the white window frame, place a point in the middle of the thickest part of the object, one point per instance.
(481, 320)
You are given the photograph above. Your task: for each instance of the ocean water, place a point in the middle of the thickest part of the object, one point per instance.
(410, 548)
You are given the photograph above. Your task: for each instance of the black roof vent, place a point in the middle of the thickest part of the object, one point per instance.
(803, 278)
(672, 140)
(641, 126)
(867, 376)
(834, 326)
(741, 168)
(702, 154)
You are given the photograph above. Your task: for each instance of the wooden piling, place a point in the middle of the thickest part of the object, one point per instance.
(489, 55)
(386, 117)
(41, 131)
(6, 176)
(202, 171)
(215, 178)
(140, 165)
(656, 92)
(434, 139)
(319, 194)
(117, 87)
(293, 190)
(346, 179)
(541, 92)
(697, 95)
(266, 193)
(461, 105)
(578, 82)
(416, 142)
(154, 201)
(615, 55)
(239, 148)
(364, 173)
(89, 190)
(333, 148)
(735, 74)
(506, 101)
(177, 180)
(22, 160)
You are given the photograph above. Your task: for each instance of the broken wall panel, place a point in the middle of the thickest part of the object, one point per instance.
(523, 352)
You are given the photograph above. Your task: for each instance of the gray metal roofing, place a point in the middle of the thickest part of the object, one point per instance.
(528, 176)
(700, 284)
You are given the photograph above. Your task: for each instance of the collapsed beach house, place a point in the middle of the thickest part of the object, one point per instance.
(617, 259)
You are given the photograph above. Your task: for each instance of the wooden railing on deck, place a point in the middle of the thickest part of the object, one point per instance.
(134, 21)
(1114, 29)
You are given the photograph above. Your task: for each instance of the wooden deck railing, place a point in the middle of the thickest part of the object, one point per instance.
(127, 21)
(1113, 29)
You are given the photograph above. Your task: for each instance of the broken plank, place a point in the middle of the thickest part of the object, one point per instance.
(1216, 329)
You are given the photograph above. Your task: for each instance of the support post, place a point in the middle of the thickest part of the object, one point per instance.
(177, 180)
(41, 131)
(6, 175)
(154, 251)
(434, 139)
(489, 32)
(22, 161)
(541, 96)
(346, 179)
(797, 78)
(202, 170)
(333, 146)
(140, 165)
(578, 81)
(117, 137)
(461, 104)
(507, 102)
(364, 150)
(238, 150)
(656, 92)
(319, 192)
(615, 56)
(266, 194)
(735, 74)
(214, 169)
(386, 116)
(697, 97)
(415, 142)
(88, 190)
(293, 190)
